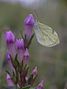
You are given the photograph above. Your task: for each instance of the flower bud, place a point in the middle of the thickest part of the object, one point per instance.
(9, 37)
(40, 85)
(19, 44)
(28, 24)
(35, 72)
(33, 76)
(9, 81)
(26, 56)
(8, 58)
(20, 48)
(10, 40)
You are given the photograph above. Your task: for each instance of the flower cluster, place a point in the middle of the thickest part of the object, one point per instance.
(18, 57)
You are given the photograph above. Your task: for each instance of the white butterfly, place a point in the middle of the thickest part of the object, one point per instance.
(45, 35)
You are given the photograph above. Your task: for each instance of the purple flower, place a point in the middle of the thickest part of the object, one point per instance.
(19, 44)
(9, 80)
(29, 20)
(9, 37)
(26, 56)
(20, 49)
(10, 40)
(35, 72)
(40, 85)
(28, 24)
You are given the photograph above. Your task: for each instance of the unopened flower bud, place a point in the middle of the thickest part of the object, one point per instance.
(19, 44)
(20, 49)
(35, 72)
(9, 81)
(28, 24)
(8, 58)
(26, 56)
(9, 37)
(10, 40)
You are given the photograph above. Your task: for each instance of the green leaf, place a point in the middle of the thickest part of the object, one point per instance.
(30, 41)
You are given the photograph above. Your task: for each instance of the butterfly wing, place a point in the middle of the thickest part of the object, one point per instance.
(45, 35)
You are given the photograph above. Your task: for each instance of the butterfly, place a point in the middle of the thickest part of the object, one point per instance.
(45, 35)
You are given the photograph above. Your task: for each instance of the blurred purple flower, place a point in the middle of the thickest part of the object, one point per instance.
(20, 49)
(40, 85)
(9, 80)
(26, 56)
(28, 24)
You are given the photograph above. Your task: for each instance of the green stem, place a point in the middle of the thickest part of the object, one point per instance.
(30, 41)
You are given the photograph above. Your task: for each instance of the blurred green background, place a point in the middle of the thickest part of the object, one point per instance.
(51, 62)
